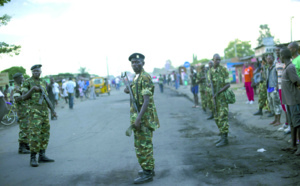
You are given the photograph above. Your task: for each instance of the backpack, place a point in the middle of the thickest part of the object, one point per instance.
(229, 96)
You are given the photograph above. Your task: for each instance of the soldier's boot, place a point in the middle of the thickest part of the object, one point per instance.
(259, 112)
(224, 140)
(146, 176)
(142, 171)
(27, 146)
(23, 149)
(43, 158)
(33, 161)
(210, 117)
(218, 141)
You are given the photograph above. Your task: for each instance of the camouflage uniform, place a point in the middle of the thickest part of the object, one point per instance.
(220, 77)
(143, 85)
(23, 117)
(202, 89)
(39, 126)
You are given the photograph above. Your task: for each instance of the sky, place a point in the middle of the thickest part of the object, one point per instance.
(64, 35)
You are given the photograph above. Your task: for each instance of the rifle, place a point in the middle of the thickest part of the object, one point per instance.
(212, 90)
(132, 100)
(44, 96)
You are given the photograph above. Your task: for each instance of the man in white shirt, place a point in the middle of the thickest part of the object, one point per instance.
(3, 106)
(117, 83)
(70, 87)
(55, 90)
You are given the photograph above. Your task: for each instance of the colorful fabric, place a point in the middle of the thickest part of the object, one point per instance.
(195, 89)
(274, 102)
(282, 105)
(248, 73)
(249, 91)
(296, 62)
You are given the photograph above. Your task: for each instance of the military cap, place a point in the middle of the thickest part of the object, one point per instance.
(16, 75)
(136, 56)
(36, 66)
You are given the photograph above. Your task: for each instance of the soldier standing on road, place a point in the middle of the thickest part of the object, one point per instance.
(143, 91)
(195, 86)
(202, 84)
(22, 111)
(262, 94)
(220, 81)
(39, 125)
(209, 93)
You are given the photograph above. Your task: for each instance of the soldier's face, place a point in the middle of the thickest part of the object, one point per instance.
(137, 65)
(217, 60)
(20, 80)
(36, 73)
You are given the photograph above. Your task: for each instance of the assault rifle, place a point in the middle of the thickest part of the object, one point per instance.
(132, 100)
(44, 96)
(212, 90)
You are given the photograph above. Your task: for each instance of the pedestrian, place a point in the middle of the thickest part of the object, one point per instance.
(70, 87)
(294, 48)
(23, 114)
(210, 104)
(117, 81)
(92, 89)
(3, 106)
(202, 85)
(39, 125)
(86, 89)
(56, 92)
(279, 68)
(262, 88)
(248, 72)
(161, 83)
(272, 89)
(146, 121)
(194, 86)
(64, 91)
(219, 78)
(291, 97)
(51, 95)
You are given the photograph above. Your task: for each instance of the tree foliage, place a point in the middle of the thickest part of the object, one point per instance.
(196, 61)
(83, 72)
(243, 49)
(4, 47)
(12, 70)
(264, 31)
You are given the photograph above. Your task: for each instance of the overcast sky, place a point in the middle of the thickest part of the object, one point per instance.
(64, 35)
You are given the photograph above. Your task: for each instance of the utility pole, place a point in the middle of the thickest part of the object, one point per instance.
(291, 28)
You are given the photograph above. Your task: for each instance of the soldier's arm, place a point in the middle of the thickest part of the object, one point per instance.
(143, 110)
(226, 80)
(26, 92)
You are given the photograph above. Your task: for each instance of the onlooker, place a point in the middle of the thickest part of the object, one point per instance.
(294, 48)
(273, 96)
(3, 106)
(161, 83)
(92, 89)
(117, 81)
(194, 87)
(70, 87)
(56, 92)
(291, 97)
(51, 96)
(248, 79)
(64, 90)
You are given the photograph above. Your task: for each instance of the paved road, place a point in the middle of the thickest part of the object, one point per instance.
(89, 146)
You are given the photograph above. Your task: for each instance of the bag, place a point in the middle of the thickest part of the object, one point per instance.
(229, 96)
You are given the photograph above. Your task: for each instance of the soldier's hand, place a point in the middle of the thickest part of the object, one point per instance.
(126, 90)
(137, 123)
(36, 88)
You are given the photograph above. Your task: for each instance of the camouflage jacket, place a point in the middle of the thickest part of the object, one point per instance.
(143, 85)
(202, 82)
(22, 106)
(219, 77)
(33, 102)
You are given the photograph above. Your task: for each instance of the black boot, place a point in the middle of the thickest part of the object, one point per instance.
(27, 146)
(142, 171)
(43, 158)
(146, 176)
(259, 112)
(33, 162)
(224, 141)
(210, 117)
(218, 141)
(23, 149)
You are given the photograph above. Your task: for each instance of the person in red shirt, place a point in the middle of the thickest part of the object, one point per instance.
(248, 79)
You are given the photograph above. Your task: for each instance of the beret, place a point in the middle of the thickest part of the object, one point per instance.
(36, 66)
(16, 75)
(136, 56)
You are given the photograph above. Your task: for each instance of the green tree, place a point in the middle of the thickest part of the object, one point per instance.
(243, 48)
(12, 70)
(4, 47)
(196, 61)
(83, 72)
(264, 31)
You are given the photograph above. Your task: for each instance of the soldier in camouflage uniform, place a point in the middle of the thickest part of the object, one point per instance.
(146, 121)
(209, 92)
(202, 85)
(39, 125)
(262, 95)
(219, 78)
(22, 112)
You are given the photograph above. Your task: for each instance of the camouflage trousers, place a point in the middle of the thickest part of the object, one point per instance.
(274, 102)
(24, 128)
(209, 101)
(221, 115)
(144, 148)
(203, 100)
(39, 130)
(262, 96)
